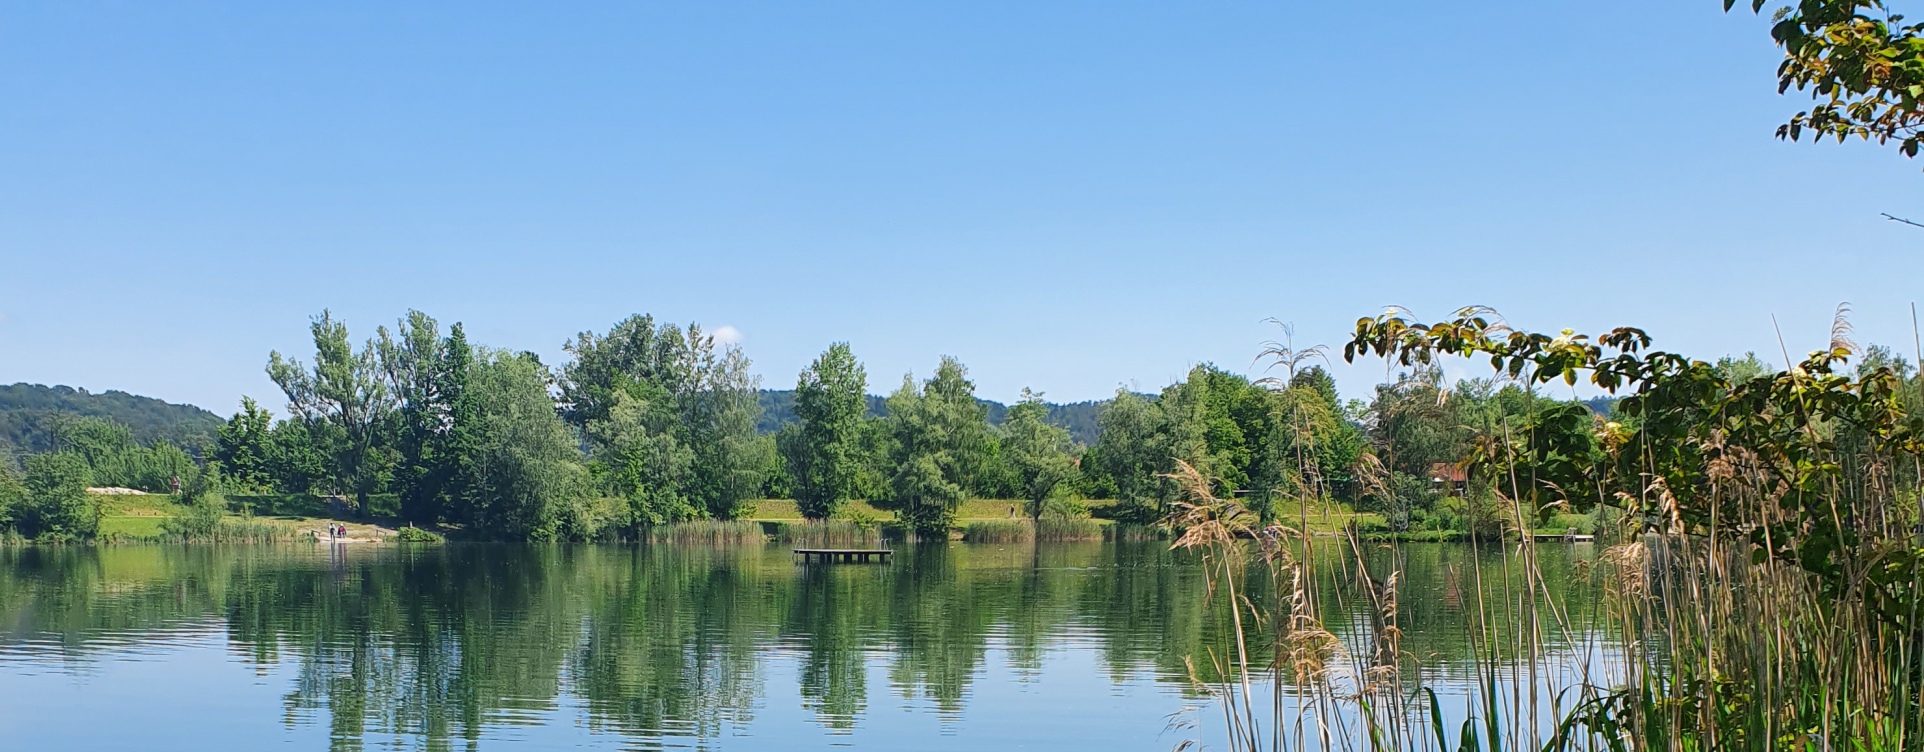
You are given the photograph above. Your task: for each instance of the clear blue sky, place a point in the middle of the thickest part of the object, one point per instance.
(1067, 196)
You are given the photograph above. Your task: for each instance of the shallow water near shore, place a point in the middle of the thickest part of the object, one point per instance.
(470, 646)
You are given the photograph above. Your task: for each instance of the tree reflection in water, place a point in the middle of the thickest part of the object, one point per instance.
(658, 643)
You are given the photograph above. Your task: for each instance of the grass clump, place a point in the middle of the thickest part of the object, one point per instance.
(713, 532)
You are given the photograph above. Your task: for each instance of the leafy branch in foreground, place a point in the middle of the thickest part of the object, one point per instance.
(1862, 64)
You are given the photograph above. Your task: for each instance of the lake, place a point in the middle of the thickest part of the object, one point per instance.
(474, 646)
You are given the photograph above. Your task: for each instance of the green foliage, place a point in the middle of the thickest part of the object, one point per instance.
(1310, 450)
(345, 404)
(939, 445)
(1862, 65)
(1079, 418)
(1135, 449)
(13, 499)
(823, 452)
(434, 420)
(243, 447)
(684, 445)
(1054, 528)
(1040, 454)
(523, 479)
(57, 504)
(200, 519)
(1796, 438)
(412, 534)
(31, 413)
(641, 459)
(297, 458)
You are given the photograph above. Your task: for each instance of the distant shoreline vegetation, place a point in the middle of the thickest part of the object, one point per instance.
(651, 424)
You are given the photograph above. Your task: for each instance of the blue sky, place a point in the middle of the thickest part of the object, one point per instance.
(1067, 196)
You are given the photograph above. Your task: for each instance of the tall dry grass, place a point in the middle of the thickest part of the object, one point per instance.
(823, 533)
(711, 532)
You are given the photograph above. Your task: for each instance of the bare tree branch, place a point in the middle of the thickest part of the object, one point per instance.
(1901, 219)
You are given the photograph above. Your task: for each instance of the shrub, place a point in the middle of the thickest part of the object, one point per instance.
(412, 534)
(200, 520)
(58, 507)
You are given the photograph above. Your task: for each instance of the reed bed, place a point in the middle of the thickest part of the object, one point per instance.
(1699, 644)
(998, 531)
(827, 533)
(234, 530)
(1763, 593)
(1049, 529)
(1067, 529)
(1130, 531)
(710, 532)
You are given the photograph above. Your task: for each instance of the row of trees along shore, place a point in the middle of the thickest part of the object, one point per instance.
(652, 423)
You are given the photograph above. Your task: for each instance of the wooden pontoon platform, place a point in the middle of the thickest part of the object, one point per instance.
(843, 554)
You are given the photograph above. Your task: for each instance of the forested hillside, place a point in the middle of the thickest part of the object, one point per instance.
(28, 413)
(778, 409)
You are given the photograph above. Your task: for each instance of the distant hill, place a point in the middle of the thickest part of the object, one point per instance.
(778, 409)
(28, 413)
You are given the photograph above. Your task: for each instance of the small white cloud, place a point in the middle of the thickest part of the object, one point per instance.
(727, 335)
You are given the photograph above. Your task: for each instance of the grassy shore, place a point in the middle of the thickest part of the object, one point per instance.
(140, 518)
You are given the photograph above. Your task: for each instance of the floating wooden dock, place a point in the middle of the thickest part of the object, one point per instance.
(826, 555)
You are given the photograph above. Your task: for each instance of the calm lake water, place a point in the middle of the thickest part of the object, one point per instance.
(951, 647)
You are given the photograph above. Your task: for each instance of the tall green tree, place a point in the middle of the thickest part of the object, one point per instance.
(242, 447)
(428, 376)
(1311, 448)
(642, 460)
(1041, 454)
(98, 441)
(345, 402)
(824, 450)
(523, 479)
(1216, 420)
(706, 388)
(1133, 450)
(463, 434)
(730, 461)
(940, 446)
(297, 459)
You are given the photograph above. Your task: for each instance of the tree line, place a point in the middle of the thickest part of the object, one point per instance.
(653, 423)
